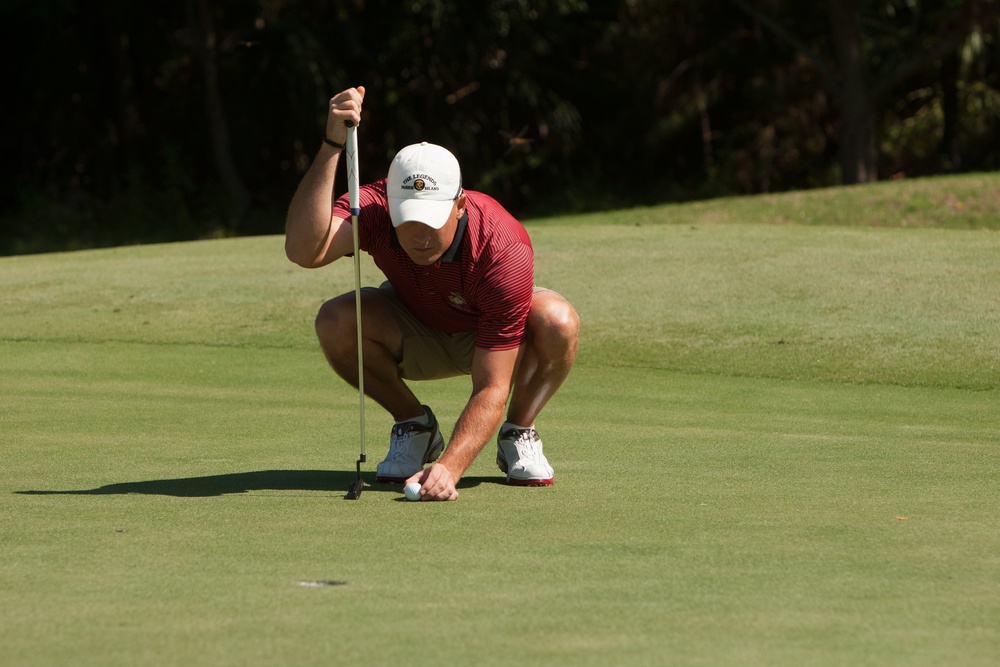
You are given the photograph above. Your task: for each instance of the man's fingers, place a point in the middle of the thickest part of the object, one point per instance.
(419, 477)
(346, 106)
(436, 483)
(443, 494)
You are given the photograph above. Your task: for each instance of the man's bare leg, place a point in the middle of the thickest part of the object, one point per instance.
(383, 348)
(546, 357)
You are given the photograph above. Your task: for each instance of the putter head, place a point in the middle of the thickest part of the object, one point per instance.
(358, 485)
(355, 491)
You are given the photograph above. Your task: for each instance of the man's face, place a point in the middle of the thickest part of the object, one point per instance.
(426, 245)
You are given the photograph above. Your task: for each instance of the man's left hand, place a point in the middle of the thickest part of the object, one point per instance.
(436, 483)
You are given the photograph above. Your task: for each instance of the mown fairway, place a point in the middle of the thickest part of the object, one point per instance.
(780, 446)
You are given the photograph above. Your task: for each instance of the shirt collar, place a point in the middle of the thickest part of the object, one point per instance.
(454, 251)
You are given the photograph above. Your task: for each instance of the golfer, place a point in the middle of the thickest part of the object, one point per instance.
(460, 299)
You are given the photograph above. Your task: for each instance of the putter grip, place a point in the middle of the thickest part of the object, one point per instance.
(352, 169)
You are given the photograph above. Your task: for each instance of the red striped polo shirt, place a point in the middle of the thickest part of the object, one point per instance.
(482, 283)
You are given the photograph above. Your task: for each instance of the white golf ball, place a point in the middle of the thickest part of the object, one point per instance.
(412, 491)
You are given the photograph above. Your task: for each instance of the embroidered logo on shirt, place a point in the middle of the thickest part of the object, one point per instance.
(457, 300)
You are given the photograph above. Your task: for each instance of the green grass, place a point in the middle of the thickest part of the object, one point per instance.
(779, 447)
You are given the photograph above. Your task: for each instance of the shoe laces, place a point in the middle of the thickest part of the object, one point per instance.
(524, 443)
(398, 441)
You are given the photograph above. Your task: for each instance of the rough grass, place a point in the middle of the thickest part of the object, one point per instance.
(970, 201)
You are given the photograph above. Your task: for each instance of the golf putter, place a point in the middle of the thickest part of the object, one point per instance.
(352, 187)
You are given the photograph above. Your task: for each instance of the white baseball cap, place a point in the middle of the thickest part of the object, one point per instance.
(424, 181)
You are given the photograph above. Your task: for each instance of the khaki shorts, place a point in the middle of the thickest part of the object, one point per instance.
(428, 354)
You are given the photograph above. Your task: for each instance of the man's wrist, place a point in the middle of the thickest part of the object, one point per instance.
(450, 465)
(330, 142)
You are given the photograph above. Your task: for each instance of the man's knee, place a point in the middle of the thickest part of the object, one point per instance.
(553, 320)
(335, 317)
(336, 325)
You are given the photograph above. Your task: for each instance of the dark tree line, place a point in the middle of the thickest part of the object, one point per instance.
(131, 122)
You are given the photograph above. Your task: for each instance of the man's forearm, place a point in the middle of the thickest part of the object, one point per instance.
(476, 425)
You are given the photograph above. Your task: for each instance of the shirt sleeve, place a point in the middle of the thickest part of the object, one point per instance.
(505, 290)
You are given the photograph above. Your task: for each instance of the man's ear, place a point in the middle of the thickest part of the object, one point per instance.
(460, 203)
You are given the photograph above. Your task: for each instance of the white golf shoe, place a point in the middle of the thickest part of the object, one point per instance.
(519, 454)
(411, 445)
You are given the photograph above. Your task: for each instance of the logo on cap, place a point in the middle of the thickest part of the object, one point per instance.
(418, 184)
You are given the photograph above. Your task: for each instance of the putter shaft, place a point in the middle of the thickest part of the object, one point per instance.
(352, 187)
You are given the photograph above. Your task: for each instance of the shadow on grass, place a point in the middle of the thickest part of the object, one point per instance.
(245, 482)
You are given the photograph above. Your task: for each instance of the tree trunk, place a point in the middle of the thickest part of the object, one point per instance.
(950, 110)
(205, 40)
(858, 150)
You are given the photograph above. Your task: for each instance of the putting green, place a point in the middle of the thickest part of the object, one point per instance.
(163, 514)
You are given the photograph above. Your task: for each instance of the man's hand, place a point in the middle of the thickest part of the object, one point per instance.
(436, 483)
(345, 106)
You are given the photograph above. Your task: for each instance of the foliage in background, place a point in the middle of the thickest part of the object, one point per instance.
(197, 119)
